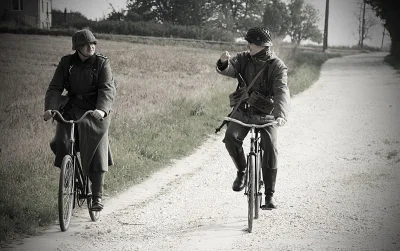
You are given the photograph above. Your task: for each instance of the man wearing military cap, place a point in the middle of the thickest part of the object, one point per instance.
(87, 78)
(271, 102)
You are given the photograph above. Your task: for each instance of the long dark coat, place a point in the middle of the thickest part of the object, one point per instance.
(93, 134)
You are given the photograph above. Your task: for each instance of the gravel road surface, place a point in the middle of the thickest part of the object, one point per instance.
(338, 184)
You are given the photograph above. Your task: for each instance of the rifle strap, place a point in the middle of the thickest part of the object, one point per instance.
(249, 86)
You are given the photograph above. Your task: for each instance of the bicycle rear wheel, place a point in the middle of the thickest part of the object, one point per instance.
(66, 192)
(94, 215)
(250, 191)
(258, 185)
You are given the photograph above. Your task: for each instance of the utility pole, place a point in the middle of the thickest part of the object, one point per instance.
(383, 36)
(363, 27)
(325, 45)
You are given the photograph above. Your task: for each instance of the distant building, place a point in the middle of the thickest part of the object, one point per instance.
(35, 13)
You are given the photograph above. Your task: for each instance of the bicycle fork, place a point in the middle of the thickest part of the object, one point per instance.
(79, 183)
(251, 154)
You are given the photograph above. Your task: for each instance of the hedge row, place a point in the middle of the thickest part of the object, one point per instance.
(130, 28)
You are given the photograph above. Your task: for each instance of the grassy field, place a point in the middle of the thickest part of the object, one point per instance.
(169, 100)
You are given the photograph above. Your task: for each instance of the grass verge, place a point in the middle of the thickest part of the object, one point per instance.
(166, 107)
(307, 70)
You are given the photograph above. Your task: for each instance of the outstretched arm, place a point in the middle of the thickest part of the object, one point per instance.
(224, 67)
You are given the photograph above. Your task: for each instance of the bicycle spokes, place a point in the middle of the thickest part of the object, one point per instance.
(66, 192)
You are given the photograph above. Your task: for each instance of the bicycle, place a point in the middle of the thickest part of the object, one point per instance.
(253, 177)
(74, 187)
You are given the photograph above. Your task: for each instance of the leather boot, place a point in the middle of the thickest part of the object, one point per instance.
(240, 163)
(97, 179)
(269, 176)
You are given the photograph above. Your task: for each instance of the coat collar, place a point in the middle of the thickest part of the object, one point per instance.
(264, 56)
(76, 59)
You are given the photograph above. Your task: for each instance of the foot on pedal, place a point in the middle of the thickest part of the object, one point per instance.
(96, 204)
(270, 203)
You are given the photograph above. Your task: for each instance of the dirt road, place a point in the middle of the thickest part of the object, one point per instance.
(338, 184)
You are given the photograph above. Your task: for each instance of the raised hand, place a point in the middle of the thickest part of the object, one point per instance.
(225, 56)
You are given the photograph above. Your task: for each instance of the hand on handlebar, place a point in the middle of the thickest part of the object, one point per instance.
(47, 115)
(281, 121)
(98, 114)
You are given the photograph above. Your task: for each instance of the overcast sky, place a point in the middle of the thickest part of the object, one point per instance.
(342, 19)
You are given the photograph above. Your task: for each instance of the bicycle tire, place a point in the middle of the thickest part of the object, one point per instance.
(94, 215)
(259, 185)
(250, 191)
(66, 193)
(257, 196)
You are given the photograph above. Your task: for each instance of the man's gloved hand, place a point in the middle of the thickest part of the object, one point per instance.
(47, 115)
(98, 114)
(281, 121)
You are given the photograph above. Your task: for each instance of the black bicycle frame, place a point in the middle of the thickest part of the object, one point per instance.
(79, 177)
(258, 164)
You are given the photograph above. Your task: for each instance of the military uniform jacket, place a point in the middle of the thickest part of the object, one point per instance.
(93, 134)
(272, 82)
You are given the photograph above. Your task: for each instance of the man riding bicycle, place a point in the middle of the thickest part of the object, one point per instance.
(88, 79)
(266, 99)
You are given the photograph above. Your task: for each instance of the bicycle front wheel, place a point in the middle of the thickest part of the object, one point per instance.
(66, 192)
(250, 191)
(258, 185)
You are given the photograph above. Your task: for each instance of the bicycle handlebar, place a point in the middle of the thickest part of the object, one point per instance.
(272, 122)
(55, 112)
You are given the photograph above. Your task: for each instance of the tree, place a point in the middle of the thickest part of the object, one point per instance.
(252, 14)
(116, 15)
(190, 12)
(58, 17)
(183, 12)
(303, 22)
(364, 23)
(242, 13)
(63, 18)
(388, 10)
(140, 10)
(276, 17)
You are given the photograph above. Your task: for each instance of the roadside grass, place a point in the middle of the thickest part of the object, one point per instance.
(307, 70)
(170, 99)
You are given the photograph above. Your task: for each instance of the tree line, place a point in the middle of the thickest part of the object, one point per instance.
(294, 18)
(389, 12)
(222, 19)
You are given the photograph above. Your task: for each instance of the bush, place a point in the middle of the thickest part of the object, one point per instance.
(393, 61)
(151, 29)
